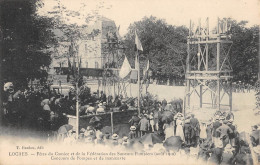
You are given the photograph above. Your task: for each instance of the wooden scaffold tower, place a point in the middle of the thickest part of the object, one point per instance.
(208, 65)
(111, 83)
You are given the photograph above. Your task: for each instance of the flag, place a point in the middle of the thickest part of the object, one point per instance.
(125, 69)
(71, 50)
(80, 62)
(69, 70)
(145, 71)
(148, 65)
(73, 68)
(138, 44)
(136, 61)
(69, 64)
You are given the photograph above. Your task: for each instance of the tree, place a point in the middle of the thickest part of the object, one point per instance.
(164, 45)
(70, 33)
(244, 51)
(26, 40)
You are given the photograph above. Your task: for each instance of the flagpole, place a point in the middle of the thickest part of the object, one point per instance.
(77, 101)
(138, 81)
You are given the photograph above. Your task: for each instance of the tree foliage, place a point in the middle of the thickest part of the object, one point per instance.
(26, 40)
(164, 45)
(244, 51)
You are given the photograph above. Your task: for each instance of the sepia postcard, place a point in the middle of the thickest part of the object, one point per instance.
(129, 82)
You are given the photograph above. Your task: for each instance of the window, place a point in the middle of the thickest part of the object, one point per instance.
(86, 64)
(86, 48)
(96, 64)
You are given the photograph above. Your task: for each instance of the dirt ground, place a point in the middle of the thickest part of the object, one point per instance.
(242, 103)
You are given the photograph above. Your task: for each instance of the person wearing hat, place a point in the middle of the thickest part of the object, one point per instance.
(187, 131)
(134, 121)
(254, 136)
(232, 135)
(132, 133)
(216, 124)
(100, 109)
(151, 121)
(195, 130)
(115, 139)
(224, 131)
(144, 125)
(125, 141)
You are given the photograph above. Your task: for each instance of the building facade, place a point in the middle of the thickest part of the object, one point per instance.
(95, 52)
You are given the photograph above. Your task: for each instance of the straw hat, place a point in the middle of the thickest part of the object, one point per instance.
(133, 128)
(125, 138)
(89, 128)
(221, 118)
(115, 136)
(187, 121)
(46, 107)
(82, 130)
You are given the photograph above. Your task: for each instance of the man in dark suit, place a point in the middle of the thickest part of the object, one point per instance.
(215, 126)
(195, 130)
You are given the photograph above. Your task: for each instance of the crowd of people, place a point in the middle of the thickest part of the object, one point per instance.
(216, 141)
(242, 87)
(47, 109)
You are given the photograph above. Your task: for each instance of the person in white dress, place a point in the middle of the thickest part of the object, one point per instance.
(151, 121)
(168, 130)
(179, 128)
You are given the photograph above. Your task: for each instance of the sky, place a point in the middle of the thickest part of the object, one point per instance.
(175, 12)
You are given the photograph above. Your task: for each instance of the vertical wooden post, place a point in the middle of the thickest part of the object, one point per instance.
(187, 103)
(207, 47)
(98, 87)
(138, 75)
(199, 48)
(230, 96)
(112, 123)
(201, 88)
(114, 84)
(218, 66)
(218, 48)
(77, 111)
